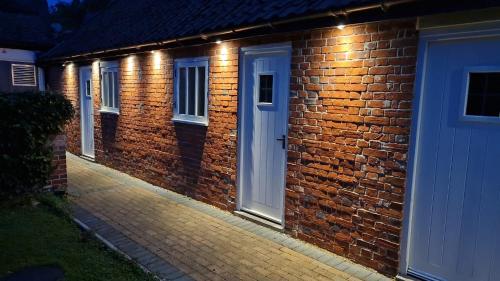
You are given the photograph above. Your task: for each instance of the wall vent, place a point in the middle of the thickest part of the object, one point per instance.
(23, 75)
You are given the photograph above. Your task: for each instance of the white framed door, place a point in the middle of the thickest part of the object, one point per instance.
(87, 111)
(263, 116)
(454, 219)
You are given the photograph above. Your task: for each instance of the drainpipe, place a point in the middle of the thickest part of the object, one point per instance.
(383, 5)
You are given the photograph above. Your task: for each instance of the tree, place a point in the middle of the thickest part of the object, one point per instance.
(71, 15)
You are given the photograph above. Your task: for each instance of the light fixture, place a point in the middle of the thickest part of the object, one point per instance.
(218, 42)
(341, 20)
(152, 52)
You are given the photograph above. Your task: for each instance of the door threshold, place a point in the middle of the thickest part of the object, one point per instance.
(260, 221)
(401, 277)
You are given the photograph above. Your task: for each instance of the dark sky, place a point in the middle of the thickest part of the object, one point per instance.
(52, 2)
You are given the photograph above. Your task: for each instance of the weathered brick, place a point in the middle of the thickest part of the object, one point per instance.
(350, 109)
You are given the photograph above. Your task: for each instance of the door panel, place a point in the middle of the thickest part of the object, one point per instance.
(87, 111)
(263, 133)
(456, 213)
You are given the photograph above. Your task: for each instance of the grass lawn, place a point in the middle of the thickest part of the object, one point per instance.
(44, 235)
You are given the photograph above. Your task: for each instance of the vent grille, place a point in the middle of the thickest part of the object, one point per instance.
(23, 75)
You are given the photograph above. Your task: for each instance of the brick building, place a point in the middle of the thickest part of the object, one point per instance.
(305, 115)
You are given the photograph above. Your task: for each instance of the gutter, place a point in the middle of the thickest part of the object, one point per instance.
(342, 13)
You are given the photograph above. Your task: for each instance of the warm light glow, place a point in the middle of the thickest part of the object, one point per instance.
(341, 26)
(224, 55)
(95, 66)
(156, 59)
(130, 63)
(218, 42)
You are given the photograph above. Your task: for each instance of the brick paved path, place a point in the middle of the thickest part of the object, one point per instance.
(183, 239)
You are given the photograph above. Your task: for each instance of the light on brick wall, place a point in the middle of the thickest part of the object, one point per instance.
(69, 66)
(95, 66)
(156, 55)
(130, 62)
(224, 57)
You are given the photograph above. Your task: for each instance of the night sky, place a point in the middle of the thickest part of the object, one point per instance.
(52, 2)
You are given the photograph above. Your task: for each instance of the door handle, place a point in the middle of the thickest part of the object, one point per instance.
(283, 141)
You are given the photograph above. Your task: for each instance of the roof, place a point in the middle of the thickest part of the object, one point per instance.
(25, 24)
(126, 23)
(129, 23)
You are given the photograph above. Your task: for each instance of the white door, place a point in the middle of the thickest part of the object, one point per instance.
(263, 132)
(87, 111)
(455, 230)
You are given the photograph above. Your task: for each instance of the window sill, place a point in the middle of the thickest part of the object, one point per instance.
(192, 122)
(481, 119)
(109, 111)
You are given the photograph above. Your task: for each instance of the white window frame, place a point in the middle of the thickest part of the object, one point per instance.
(110, 66)
(465, 95)
(24, 65)
(186, 118)
(268, 105)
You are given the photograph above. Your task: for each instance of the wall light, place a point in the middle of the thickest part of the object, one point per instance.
(341, 26)
(218, 42)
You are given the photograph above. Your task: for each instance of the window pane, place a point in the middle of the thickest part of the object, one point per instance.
(492, 106)
(105, 101)
(266, 88)
(201, 91)
(493, 85)
(182, 90)
(87, 88)
(110, 89)
(191, 90)
(483, 94)
(115, 89)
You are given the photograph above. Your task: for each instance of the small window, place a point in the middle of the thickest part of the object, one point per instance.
(23, 75)
(110, 88)
(483, 96)
(266, 82)
(87, 88)
(191, 91)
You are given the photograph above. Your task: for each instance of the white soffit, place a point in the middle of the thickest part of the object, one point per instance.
(17, 55)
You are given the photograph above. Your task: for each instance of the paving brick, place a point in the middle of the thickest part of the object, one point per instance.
(180, 239)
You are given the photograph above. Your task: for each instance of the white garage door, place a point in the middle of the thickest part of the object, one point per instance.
(455, 229)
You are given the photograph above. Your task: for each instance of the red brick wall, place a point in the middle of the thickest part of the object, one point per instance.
(58, 181)
(350, 121)
(350, 107)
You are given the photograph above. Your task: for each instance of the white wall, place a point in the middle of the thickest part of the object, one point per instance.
(17, 55)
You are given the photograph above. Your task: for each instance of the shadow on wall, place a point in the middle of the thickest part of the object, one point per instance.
(109, 124)
(191, 143)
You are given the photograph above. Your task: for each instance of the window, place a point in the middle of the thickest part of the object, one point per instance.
(266, 88)
(23, 75)
(483, 94)
(191, 91)
(110, 91)
(87, 88)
